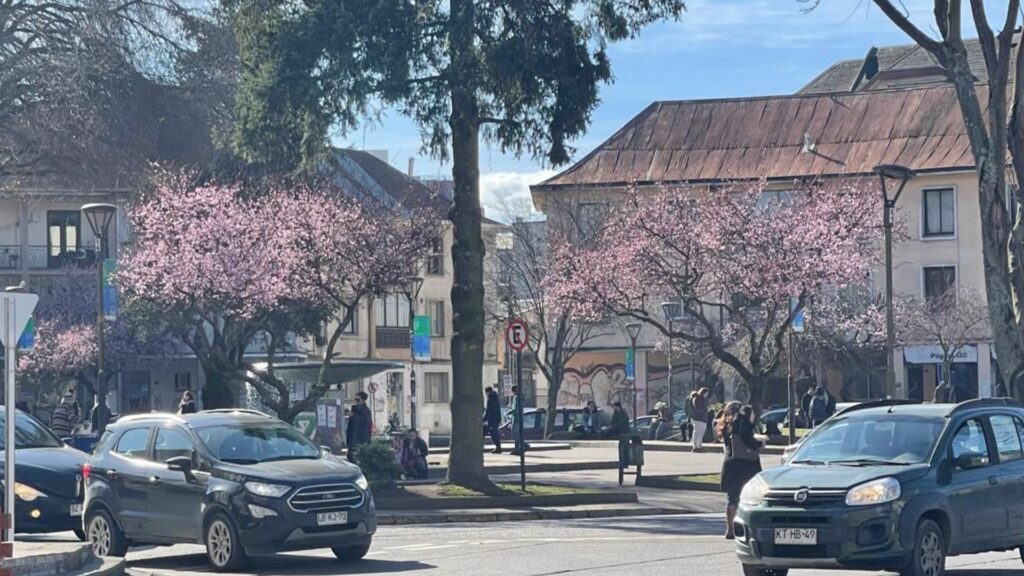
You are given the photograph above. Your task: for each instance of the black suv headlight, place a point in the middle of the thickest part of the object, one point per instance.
(266, 489)
(362, 483)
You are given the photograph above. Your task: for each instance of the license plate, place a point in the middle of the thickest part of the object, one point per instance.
(796, 536)
(76, 509)
(331, 518)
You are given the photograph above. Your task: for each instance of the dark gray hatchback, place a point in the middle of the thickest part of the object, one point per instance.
(890, 486)
(241, 483)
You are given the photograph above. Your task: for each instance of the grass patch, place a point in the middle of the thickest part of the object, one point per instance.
(715, 479)
(509, 489)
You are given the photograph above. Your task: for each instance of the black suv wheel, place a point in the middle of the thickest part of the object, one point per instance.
(755, 571)
(223, 546)
(351, 553)
(104, 535)
(929, 551)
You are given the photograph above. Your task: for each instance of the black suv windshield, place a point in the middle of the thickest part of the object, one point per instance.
(888, 439)
(29, 433)
(255, 443)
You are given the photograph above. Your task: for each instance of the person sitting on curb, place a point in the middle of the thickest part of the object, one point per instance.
(414, 455)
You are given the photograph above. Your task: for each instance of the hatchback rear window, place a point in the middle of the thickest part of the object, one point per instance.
(896, 439)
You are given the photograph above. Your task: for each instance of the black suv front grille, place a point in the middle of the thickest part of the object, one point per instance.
(326, 498)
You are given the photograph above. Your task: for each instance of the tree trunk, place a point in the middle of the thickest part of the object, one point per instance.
(757, 387)
(217, 391)
(466, 463)
(554, 377)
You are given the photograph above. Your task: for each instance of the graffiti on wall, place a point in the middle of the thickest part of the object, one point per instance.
(600, 377)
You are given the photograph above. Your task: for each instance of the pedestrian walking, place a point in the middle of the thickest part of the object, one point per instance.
(819, 407)
(742, 462)
(517, 432)
(620, 422)
(414, 455)
(187, 404)
(700, 418)
(492, 418)
(67, 416)
(360, 422)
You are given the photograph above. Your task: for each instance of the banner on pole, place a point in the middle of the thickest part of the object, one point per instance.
(109, 290)
(798, 318)
(28, 337)
(421, 338)
(630, 364)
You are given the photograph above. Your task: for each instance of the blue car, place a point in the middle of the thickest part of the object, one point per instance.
(48, 479)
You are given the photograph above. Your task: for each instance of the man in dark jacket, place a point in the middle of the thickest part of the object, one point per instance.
(805, 406)
(360, 423)
(620, 422)
(492, 418)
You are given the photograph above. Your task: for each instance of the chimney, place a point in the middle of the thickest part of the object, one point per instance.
(412, 163)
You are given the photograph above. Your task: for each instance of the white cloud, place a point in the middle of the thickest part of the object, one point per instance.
(498, 189)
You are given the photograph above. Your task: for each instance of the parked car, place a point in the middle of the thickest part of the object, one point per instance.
(533, 422)
(890, 486)
(239, 482)
(48, 478)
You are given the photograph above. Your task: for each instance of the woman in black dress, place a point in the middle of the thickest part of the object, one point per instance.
(742, 462)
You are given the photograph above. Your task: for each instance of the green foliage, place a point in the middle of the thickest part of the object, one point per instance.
(533, 68)
(377, 460)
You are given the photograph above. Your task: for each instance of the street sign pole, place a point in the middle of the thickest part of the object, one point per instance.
(519, 419)
(10, 346)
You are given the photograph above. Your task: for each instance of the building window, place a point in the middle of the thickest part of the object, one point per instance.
(392, 311)
(437, 319)
(182, 381)
(435, 261)
(770, 199)
(939, 212)
(437, 387)
(63, 236)
(591, 216)
(352, 326)
(938, 282)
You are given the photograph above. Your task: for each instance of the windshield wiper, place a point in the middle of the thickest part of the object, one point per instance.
(301, 457)
(240, 460)
(809, 462)
(867, 462)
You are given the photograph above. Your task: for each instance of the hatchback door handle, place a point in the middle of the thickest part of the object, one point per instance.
(111, 473)
(993, 480)
(154, 480)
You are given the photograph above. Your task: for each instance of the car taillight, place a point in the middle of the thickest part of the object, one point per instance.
(86, 469)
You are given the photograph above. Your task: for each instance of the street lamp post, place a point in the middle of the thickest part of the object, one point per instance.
(672, 310)
(412, 294)
(633, 330)
(901, 174)
(100, 216)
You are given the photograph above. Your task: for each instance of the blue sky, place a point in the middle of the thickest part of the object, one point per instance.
(718, 49)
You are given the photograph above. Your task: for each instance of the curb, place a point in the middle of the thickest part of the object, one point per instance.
(74, 560)
(521, 515)
(104, 567)
(671, 483)
(491, 502)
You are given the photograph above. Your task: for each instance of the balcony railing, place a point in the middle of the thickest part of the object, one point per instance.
(42, 258)
(392, 337)
(10, 257)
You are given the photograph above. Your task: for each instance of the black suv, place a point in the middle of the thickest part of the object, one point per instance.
(240, 482)
(890, 486)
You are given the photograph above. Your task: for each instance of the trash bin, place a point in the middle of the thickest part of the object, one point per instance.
(631, 453)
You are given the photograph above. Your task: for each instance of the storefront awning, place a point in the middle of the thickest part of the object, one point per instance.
(340, 371)
(933, 354)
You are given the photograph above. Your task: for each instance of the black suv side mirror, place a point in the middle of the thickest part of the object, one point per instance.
(970, 461)
(180, 464)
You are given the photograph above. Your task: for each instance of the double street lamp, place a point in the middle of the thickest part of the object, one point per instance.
(902, 175)
(100, 217)
(633, 330)
(672, 309)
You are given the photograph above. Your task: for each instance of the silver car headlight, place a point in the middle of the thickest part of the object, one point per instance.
(754, 492)
(874, 492)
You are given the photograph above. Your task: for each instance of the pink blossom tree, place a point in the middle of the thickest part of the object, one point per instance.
(226, 264)
(741, 261)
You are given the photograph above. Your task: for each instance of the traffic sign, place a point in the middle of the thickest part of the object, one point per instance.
(518, 335)
(23, 304)
(306, 423)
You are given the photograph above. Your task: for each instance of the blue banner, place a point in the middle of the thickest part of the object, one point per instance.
(421, 339)
(630, 364)
(798, 318)
(28, 337)
(109, 291)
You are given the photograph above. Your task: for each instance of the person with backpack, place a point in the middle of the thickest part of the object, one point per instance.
(819, 409)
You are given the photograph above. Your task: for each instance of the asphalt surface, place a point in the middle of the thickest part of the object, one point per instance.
(651, 546)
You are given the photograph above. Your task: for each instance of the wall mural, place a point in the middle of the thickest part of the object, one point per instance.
(598, 376)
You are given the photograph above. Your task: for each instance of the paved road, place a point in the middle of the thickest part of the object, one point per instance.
(656, 546)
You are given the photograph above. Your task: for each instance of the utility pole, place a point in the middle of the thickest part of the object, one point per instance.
(901, 174)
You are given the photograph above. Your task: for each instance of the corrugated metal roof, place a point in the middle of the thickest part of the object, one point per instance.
(752, 138)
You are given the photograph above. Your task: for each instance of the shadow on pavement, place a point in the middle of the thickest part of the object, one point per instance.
(285, 564)
(659, 525)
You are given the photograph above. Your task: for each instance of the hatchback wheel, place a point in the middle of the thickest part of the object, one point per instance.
(104, 535)
(351, 553)
(929, 551)
(223, 546)
(755, 571)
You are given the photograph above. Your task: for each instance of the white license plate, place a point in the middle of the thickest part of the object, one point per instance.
(76, 509)
(796, 536)
(331, 518)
